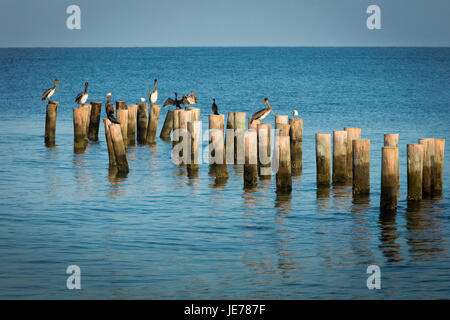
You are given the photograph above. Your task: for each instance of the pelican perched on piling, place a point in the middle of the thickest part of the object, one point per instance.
(261, 114)
(190, 98)
(214, 108)
(109, 109)
(175, 102)
(49, 92)
(153, 95)
(82, 97)
(295, 113)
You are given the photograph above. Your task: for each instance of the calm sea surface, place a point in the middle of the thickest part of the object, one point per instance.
(159, 234)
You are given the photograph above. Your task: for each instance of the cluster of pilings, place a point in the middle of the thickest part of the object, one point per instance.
(351, 165)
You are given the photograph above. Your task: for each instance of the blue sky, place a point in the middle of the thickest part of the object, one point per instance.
(32, 23)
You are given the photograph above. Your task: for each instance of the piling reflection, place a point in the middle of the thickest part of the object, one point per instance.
(389, 235)
(361, 226)
(323, 198)
(342, 195)
(424, 231)
(81, 175)
(286, 251)
(52, 178)
(116, 180)
(283, 203)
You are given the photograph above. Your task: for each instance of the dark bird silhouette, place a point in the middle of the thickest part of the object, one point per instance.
(82, 97)
(261, 114)
(153, 95)
(214, 108)
(49, 92)
(175, 102)
(109, 109)
(190, 98)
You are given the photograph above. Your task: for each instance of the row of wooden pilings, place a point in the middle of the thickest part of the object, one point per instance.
(351, 163)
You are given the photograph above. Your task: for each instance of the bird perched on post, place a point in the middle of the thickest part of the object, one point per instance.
(142, 99)
(153, 95)
(49, 92)
(214, 108)
(190, 98)
(175, 102)
(261, 114)
(82, 97)
(295, 113)
(109, 109)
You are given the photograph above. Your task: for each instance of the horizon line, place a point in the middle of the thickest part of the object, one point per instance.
(255, 46)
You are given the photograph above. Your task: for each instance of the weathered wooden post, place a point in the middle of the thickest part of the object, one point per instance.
(96, 110)
(284, 176)
(109, 143)
(79, 130)
(87, 117)
(428, 154)
(142, 123)
(229, 142)
(50, 123)
(120, 105)
(239, 133)
(217, 154)
(131, 126)
(253, 125)
(296, 135)
(352, 133)
(281, 119)
(195, 113)
(283, 129)
(415, 171)
(437, 167)
(389, 166)
(264, 152)
(360, 166)
(176, 126)
(193, 128)
(122, 117)
(119, 147)
(153, 123)
(251, 162)
(323, 159)
(339, 157)
(183, 117)
(391, 140)
(167, 126)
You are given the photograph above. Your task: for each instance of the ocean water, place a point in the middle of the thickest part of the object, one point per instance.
(158, 234)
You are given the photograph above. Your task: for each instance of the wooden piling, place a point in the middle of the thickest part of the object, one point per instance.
(360, 166)
(142, 123)
(239, 134)
(323, 159)
(339, 157)
(437, 167)
(94, 121)
(120, 105)
(284, 174)
(253, 125)
(251, 162)
(428, 154)
(283, 129)
(264, 151)
(229, 142)
(176, 126)
(109, 143)
(195, 113)
(391, 140)
(183, 117)
(389, 189)
(50, 123)
(281, 119)
(131, 126)
(87, 117)
(217, 156)
(122, 117)
(120, 153)
(296, 135)
(194, 128)
(153, 123)
(352, 134)
(79, 129)
(415, 171)
(167, 126)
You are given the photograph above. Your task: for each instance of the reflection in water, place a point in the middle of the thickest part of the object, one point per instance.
(424, 236)
(323, 198)
(342, 195)
(283, 203)
(82, 175)
(52, 178)
(116, 179)
(361, 226)
(389, 235)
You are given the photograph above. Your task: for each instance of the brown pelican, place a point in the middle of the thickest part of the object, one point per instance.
(295, 113)
(175, 102)
(153, 95)
(214, 108)
(261, 114)
(109, 108)
(49, 92)
(82, 97)
(190, 98)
